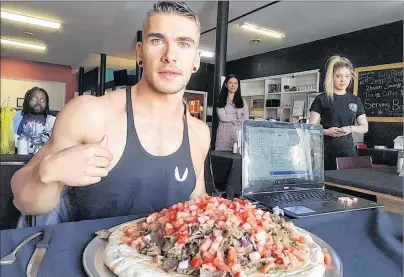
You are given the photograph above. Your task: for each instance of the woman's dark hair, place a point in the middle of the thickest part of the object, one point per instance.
(26, 108)
(237, 100)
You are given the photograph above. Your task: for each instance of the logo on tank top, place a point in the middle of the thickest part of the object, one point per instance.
(177, 174)
(353, 107)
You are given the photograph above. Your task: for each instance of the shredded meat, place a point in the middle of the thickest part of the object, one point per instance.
(236, 233)
(189, 271)
(169, 243)
(151, 249)
(170, 264)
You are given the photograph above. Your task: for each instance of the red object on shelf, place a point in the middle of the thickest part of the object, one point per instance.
(361, 145)
(380, 165)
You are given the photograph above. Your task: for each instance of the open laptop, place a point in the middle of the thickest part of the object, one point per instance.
(283, 165)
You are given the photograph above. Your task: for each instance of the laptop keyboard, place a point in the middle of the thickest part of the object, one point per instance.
(300, 196)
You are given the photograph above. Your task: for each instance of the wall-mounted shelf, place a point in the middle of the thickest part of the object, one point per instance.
(305, 82)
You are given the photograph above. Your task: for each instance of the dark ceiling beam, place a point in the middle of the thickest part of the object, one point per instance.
(243, 15)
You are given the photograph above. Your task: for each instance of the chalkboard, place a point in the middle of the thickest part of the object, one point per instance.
(381, 90)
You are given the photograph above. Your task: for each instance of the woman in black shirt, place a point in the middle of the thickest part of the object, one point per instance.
(337, 111)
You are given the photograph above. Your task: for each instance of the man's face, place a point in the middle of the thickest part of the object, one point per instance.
(169, 52)
(37, 102)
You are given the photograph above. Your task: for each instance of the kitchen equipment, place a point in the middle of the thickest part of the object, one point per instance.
(40, 250)
(398, 142)
(10, 258)
(380, 147)
(400, 160)
(23, 145)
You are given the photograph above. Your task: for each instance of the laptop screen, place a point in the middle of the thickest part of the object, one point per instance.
(280, 156)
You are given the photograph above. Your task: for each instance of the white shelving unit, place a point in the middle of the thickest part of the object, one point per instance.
(279, 93)
(253, 92)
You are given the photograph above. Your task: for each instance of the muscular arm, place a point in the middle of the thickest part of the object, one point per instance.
(201, 142)
(33, 191)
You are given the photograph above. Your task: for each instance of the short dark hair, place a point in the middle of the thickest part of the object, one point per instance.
(25, 106)
(175, 7)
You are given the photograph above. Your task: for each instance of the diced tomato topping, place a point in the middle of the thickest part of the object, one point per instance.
(181, 239)
(207, 257)
(232, 255)
(196, 262)
(181, 218)
(220, 265)
(327, 259)
(265, 268)
(240, 274)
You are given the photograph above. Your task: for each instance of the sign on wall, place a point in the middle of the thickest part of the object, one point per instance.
(381, 90)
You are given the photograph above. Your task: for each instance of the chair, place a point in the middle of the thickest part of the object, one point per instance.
(209, 178)
(354, 162)
(8, 212)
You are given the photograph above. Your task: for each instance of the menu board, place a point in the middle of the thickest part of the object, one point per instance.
(381, 90)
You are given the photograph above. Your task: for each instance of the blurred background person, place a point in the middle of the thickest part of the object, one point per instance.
(231, 110)
(338, 111)
(34, 120)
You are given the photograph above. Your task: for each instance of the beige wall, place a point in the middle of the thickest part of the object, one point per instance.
(16, 88)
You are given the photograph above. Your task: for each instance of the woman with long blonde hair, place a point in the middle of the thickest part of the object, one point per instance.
(341, 113)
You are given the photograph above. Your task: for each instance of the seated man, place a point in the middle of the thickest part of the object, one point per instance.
(133, 151)
(35, 110)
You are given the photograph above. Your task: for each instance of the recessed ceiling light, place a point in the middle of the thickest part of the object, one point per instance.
(207, 54)
(263, 31)
(29, 20)
(23, 44)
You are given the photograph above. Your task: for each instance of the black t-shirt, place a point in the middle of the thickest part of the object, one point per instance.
(339, 112)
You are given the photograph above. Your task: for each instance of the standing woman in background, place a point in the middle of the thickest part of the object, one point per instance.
(231, 110)
(338, 111)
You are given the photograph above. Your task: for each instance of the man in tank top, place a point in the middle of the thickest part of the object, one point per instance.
(136, 150)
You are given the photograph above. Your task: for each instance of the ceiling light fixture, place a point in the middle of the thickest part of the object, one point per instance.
(263, 31)
(30, 20)
(207, 54)
(23, 44)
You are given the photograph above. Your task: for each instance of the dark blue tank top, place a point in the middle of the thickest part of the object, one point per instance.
(139, 182)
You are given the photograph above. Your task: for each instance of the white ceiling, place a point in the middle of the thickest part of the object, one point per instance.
(110, 27)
